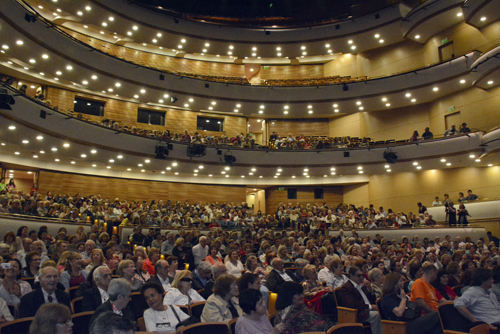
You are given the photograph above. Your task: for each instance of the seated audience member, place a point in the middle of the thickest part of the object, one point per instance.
(180, 292)
(464, 128)
(201, 275)
(427, 134)
(5, 315)
(200, 251)
(496, 282)
(173, 261)
(422, 291)
(111, 323)
(127, 271)
(451, 131)
(254, 319)
(311, 285)
(332, 273)
(355, 293)
(12, 289)
(293, 313)
(234, 265)
(212, 256)
(278, 275)
(161, 277)
(222, 305)
(471, 196)
(443, 291)
(73, 273)
(96, 259)
(52, 319)
(393, 306)
(150, 261)
(119, 296)
(217, 270)
(479, 303)
(160, 318)
(48, 293)
(376, 277)
(33, 260)
(96, 296)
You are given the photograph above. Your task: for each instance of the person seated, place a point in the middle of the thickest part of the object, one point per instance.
(443, 291)
(180, 292)
(202, 275)
(111, 323)
(332, 273)
(278, 275)
(427, 134)
(471, 196)
(464, 128)
(293, 313)
(119, 296)
(96, 296)
(73, 273)
(12, 289)
(222, 305)
(234, 265)
(5, 315)
(160, 318)
(52, 318)
(356, 293)
(48, 293)
(393, 306)
(161, 277)
(479, 303)
(422, 291)
(376, 277)
(311, 286)
(254, 319)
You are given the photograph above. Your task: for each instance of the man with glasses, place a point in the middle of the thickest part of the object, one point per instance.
(119, 296)
(161, 276)
(201, 275)
(98, 295)
(356, 293)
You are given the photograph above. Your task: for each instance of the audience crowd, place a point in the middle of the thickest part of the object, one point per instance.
(232, 274)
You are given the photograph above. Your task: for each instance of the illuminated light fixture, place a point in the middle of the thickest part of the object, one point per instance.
(387, 104)
(120, 157)
(278, 48)
(415, 163)
(35, 156)
(353, 47)
(176, 173)
(435, 89)
(360, 172)
(408, 95)
(129, 33)
(388, 170)
(350, 41)
(448, 164)
(417, 36)
(490, 165)
(413, 100)
(104, 24)
(210, 108)
(19, 42)
(108, 167)
(490, 82)
(460, 14)
(66, 145)
(462, 81)
(110, 90)
(279, 55)
(42, 152)
(54, 149)
(183, 41)
(478, 160)
(57, 160)
(143, 91)
(85, 82)
(310, 111)
(72, 162)
(83, 155)
(111, 160)
(135, 28)
(327, 46)
(39, 137)
(118, 84)
(25, 141)
(94, 77)
(419, 167)
(236, 110)
(361, 108)
(443, 160)
(472, 156)
(358, 103)
(12, 127)
(483, 18)
(186, 105)
(174, 164)
(32, 61)
(44, 56)
(381, 41)
(384, 99)
(136, 96)
(207, 45)
(69, 67)
(79, 13)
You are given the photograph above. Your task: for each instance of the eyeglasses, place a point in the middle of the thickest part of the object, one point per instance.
(187, 280)
(67, 322)
(165, 324)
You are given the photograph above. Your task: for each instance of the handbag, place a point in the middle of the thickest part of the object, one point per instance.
(412, 312)
(189, 321)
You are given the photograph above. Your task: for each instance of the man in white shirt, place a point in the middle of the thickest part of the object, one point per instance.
(161, 275)
(96, 296)
(278, 275)
(200, 251)
(27, 244)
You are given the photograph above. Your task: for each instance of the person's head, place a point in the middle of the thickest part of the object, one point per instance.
(161, 268)
(393, 283)
(97, 256)
(119, 292)
(218, 269)
(15, 269)
(203, 241)
(356, 275)
(300, 264)
(102, 277)
(73, 262)
(49, 277)
(277, 264)
(52, 318)
(248, 281)
(289, 293)
(61, 246)
(27, 243)
(225, 286)
(376, 276)
(204, 269)
(111, 323)
(183, 280)
(430, 271)
(153, 294)
(127, 268)
(310, 272)
(482, 278)
(33, 259)
(251, 302)
(89, 246)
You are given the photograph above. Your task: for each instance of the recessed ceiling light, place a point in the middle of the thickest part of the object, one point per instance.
(85, 82)
(358, 103)
(490, 82)
(279, 55)
(459, 14)
(72, 162)
(327, 46)
(79, 13)
(39, 137)
(384, 99)
(413, 100)
(435, 89)
(448, 164)
(360, 172)
(143, 91)
(174, 164)
(136, 96)
(417, 36)
(381, 41)
(408, 95)
(12, 127)
(377, 35)
(104, 24)
(387, 104)
(349, 42)
(388, 170)
(353, 47)
(66, 145)
(19, 42)
(83, 155)
(490, 165)
(32, 61)
(135, 28)
(35, 156)
(42, 152)
(483, 18)
(44, 56)
(54, 149)
(25, 141)
(57, 160)
(478, 160)
(361, 108)
(176, 173)
(472, 156)
(419, 167)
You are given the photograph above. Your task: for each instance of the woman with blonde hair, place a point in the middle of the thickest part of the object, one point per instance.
(180, 292)
(61, 263)
(283, 254)
(126, 270)
(73, 274)
(181, 251)
(96, 259)
(52, 318)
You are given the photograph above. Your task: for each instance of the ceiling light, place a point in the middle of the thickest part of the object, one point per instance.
(120, 157)
(472, 156)
(136, 96)
(384, 99)
(12, 127)
(83, 155)
(174, 164)
(85, 82)
(353, 47)
(460, 14)
(387, 104)
(54, 149)
(490, 82)
(377, 35)
(111, 160)
(443, 160)
(361, 108)
(42, 152)
(104, 24)
(69, 67)
(448, 164)
(129, 33)
(483, 18)
(408, 95)
(462, 81)
(419, 167)
(44, 56)
(25, 141)
(279, 54)
(478, 160)
(360, 172)
(32, 61)
(39, 137)
(143, 91)
(413, 100)
(94, 77)
(79, 13)
(72, 162)
(490, 165)
(417, 36)
(110, 89)
(135, 28)
(388, 170)
(66, 145)
(435, 89)
(176, 173)
(35, 156)
(57, 160)
(19, 42)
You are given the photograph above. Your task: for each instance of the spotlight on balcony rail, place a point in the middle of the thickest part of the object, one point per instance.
(229, 159)
(162, 77)
(173, 99)
(161, 151)
(345, 88)
(390, 157)
(196, 150)
(30, 18)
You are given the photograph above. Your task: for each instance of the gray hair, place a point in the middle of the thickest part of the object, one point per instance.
(90, 241)
(300, 262)
(41, 272)
(97, 272)
(275, 261)
(218, 268)
(374, 274)
(118, 287)
(204, 266)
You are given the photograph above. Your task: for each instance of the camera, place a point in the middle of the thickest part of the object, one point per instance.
(5, 265)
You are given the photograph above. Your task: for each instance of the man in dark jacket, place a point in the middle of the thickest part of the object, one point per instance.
(96, 296)
(279, 275)
(48, 293)
(355, 294)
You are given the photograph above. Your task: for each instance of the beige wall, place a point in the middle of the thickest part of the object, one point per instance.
(348, 125)
(402, 191)
(345, 65)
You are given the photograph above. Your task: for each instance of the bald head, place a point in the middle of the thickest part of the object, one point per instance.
(218, 269)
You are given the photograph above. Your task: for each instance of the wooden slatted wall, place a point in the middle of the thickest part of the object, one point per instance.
(307, 127)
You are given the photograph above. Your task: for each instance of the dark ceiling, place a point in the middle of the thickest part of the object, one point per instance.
(262, 13)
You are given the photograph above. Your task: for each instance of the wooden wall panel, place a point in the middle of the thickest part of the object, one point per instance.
(125, 113)
(332, 195)
(138, 190)
(307, 127)
(160, 62)
(290, 72)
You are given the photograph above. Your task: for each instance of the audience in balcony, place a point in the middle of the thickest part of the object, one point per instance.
(451, 131)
